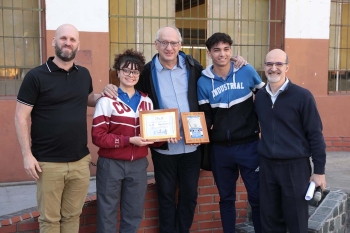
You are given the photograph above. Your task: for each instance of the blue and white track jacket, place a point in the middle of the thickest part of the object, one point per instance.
(228, 105)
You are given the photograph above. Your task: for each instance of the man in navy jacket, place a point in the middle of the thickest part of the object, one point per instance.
(291, 133)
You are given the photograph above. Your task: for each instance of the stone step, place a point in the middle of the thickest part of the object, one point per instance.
(331, 214)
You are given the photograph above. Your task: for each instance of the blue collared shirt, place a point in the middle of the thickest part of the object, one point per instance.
(274, 96)
(132, 102)
(173, 85)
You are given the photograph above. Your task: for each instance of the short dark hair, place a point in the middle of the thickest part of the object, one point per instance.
(130, 56)
(216, 38)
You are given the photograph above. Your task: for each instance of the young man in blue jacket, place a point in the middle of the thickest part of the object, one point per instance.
(291, 133)
(225, 95)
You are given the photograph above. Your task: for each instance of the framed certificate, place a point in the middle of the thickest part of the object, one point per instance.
(159, 125)
(195, 128)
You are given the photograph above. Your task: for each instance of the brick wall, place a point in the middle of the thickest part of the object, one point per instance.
(206, 219)
(338, 143)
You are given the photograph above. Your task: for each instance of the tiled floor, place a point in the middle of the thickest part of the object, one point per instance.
(19, 198)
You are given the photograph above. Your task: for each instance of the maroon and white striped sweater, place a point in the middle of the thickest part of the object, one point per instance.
(114, 123)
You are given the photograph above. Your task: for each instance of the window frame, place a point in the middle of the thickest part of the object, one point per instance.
(21, 70)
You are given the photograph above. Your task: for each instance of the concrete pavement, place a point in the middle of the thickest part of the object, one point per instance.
(20, 198)
(338, 170)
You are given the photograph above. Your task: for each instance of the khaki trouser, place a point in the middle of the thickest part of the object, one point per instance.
(61, 193)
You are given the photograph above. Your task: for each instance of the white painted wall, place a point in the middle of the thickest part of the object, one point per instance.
(85, 15)
(307, 19)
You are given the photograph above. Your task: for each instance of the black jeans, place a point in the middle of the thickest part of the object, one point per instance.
(180, 170)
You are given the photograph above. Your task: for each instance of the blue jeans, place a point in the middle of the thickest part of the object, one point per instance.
(170, 171)
(227, 162)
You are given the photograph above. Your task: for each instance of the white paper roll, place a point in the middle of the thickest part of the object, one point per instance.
(310, 191)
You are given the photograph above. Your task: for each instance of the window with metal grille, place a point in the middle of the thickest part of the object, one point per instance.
(339, 48)
(19, 42)
(256, 26)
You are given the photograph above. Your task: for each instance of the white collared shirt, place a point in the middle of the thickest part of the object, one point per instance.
(282, 88)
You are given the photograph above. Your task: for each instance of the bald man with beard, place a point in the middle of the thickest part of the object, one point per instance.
(54, 96)
(291, 133)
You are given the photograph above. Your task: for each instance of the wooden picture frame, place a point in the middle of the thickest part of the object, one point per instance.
(159, 125)
(195, 128)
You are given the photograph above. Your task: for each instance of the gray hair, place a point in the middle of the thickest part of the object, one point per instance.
(175, 28)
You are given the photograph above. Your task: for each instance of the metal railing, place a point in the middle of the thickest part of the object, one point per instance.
(339, 48)
(20, 42)
(256, 26)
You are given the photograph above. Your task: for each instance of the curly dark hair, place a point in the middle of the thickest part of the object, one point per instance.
(218, 37)
(130, 56)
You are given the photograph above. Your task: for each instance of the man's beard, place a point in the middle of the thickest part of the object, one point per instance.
(273, 79)
(64, 56)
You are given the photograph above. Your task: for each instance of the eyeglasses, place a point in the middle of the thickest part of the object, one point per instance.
(166, 43)
(277, 64)
(127, 72)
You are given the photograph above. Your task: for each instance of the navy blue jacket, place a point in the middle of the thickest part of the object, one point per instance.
(146, 84)
(291, 128)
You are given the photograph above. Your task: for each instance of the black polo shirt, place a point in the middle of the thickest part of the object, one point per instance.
(59, 100)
